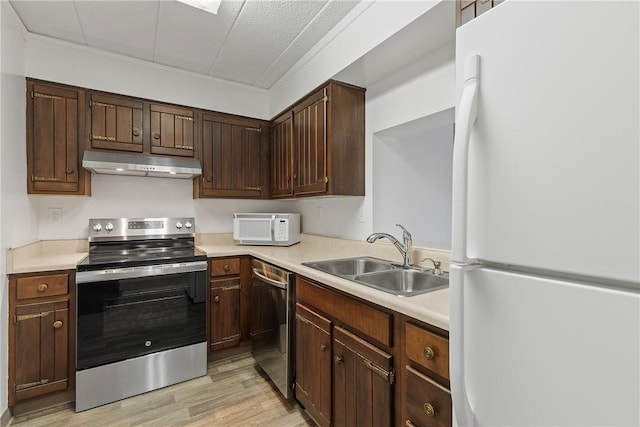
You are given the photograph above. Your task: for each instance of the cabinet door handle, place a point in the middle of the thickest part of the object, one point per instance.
(57, 324)
(210, 179)
(216, 298)
(136, 132)
(323, 347)
(69, 171)
(156, 136)
(339, 359)
(408, 423)
(429, 410)
(429, 353)
(42, 287)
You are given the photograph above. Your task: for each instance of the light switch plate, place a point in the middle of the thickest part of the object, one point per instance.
(54, 215)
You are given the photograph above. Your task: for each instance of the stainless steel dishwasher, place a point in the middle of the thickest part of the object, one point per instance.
(272, 323)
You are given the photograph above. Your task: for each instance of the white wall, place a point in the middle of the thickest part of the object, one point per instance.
(137, 197)
(412, 185)
(18, 222)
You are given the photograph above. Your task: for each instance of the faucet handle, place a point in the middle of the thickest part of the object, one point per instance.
(405, 232)
(436, 265)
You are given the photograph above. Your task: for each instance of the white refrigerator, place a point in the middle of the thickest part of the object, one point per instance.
(545, 289)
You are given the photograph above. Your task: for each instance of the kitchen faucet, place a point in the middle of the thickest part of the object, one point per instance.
(405, 248)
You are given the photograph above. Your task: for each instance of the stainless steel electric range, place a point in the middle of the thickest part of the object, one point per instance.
(141, 309)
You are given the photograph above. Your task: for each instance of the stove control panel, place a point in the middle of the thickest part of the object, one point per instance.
(133, 228)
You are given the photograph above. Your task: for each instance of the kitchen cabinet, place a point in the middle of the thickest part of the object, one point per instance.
(313, 364)
(363, 376)
(466, 10)
(172, 130)
(41, 334)
(327, 148)
(54, 143)
(234, 157)
(357, 367)
(116, 123)
(281, 156)
(427, 398)
(229, 302)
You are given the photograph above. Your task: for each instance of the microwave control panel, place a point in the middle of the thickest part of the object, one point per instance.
(281, 231)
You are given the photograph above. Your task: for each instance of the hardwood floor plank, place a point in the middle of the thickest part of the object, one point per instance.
(234, 392)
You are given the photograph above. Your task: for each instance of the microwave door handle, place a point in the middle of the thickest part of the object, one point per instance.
(273, 230)
(281, 285)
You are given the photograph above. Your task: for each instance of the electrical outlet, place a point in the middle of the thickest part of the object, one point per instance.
(319, 213)
(361, 215)
(54, 215)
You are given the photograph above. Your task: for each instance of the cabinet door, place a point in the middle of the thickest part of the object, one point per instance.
(313, 364)
(172, 130)
(363, 378)
(310, 150)
(224, 327)
(116, 123)
(53, 148)
(41, 346)
(282, 157)
(231, 157)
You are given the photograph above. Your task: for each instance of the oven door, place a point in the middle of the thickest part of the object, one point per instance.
(133, 316)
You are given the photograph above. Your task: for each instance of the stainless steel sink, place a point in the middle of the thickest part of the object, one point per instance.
(351, 266)
(383, 275)
(404, 282)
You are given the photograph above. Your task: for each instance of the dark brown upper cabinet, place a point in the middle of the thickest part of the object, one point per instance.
(281, 159)
(327, 144)
(172, 130)
(116, 123)
(54, 146)
(234, 157)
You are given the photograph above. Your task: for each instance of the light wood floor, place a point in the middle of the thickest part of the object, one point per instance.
(234, 393)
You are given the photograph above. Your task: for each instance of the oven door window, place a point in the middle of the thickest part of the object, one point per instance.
(127, 318)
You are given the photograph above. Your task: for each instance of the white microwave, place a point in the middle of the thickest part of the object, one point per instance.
(273, 229)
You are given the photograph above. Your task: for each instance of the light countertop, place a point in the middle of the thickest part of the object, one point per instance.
(432, 307)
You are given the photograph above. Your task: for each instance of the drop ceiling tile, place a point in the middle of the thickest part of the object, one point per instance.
(126, 27)
(55, 19)
(190, 38)
(330, 15)
(263, 31)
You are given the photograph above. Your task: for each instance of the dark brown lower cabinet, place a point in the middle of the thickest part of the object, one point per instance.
(224, 329)
(313, 364)
(427, 402)
(362, 382)
(41, 344)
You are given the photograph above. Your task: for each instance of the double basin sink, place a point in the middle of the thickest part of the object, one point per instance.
(383, 275)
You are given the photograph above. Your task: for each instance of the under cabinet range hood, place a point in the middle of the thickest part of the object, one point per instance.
(106, 162)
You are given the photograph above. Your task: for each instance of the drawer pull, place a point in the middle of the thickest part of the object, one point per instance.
(339, 359)
(57, 324)
(429, 410)
(323, 347)
(216, 298)
(226, 268)
(428, 353)
(42, 287)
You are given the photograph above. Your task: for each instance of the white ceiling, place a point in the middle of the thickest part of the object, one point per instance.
(254, 42)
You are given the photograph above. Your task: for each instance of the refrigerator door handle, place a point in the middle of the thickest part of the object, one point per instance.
(467, 113)
(462, 413)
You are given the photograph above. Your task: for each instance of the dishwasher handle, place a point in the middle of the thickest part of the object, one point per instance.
(267, 280)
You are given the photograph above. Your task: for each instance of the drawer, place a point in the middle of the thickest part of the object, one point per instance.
(427, 403)
(225, 267)
(42, 286)
(348, 311)
(428, 350)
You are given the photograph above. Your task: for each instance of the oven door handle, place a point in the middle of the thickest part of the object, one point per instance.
(267, 280)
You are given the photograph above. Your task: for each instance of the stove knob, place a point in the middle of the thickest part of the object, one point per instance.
(108, 227)
(187, 224)
(97, 227)
(178, 225)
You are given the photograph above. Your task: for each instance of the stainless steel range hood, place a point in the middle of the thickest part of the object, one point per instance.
(105, 162)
